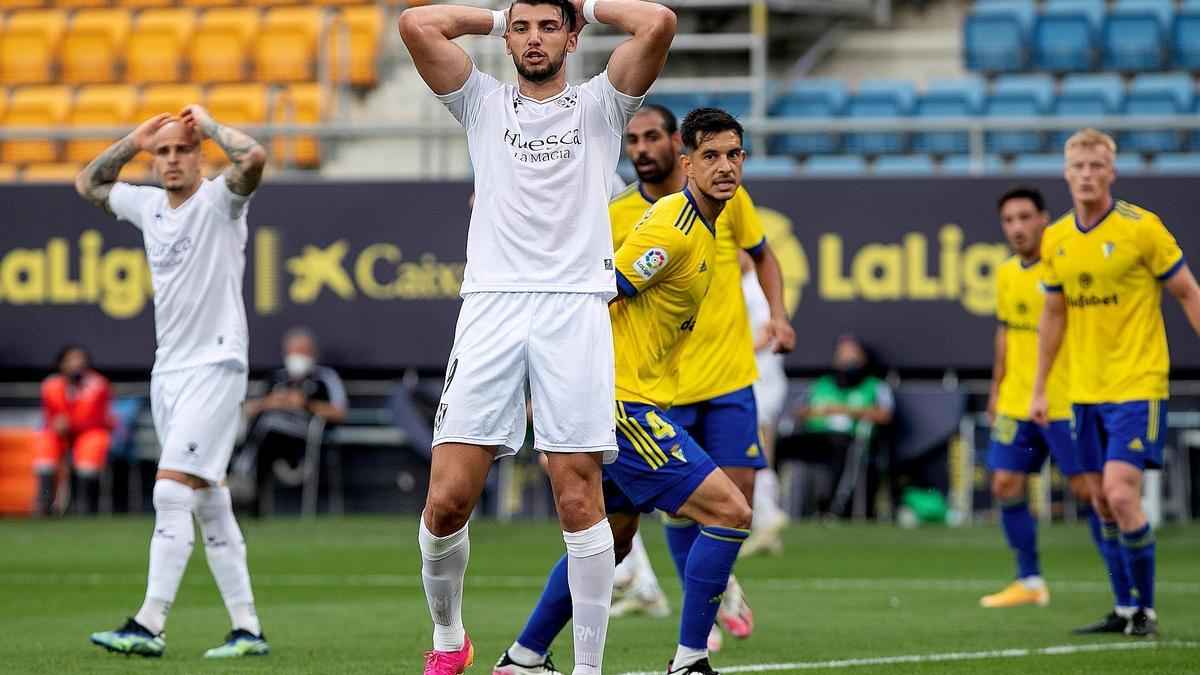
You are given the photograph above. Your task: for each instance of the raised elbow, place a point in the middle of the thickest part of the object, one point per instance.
(411, 23)
(256, 157)
(664, 22)
(82, 183)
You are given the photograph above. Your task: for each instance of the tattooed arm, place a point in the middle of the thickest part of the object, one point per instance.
(246, 156)
(97, 178)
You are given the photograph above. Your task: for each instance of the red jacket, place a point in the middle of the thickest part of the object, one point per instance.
(86, 405)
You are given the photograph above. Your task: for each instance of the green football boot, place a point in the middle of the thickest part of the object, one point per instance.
(240, 643)
(131, 638)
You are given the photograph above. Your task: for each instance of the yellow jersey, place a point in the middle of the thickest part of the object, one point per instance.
(1110, 275)
(1019, 301)
(719, 357)
(664, 268)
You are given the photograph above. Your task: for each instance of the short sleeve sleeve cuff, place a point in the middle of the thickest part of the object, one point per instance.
(625, 286)
(1052, 288)
(756, 249)
(1172, 269)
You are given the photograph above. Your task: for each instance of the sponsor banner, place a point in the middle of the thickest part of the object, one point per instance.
(374, 269)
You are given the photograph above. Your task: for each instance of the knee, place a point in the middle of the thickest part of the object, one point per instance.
(737, 513)
(1121, 499)
(621, 548)
(446, 511)
(170, 495)
(1083, 494)
(1007, 485)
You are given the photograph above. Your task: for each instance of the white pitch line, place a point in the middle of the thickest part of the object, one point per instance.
(950, 656)
(525, 582)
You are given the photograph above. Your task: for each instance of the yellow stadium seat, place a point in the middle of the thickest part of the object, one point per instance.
(6, 5)
(50, 172)
(286, 49)
(356, 36)
(238, 104)
(99, 105)
(166, 98)
(8, 173)
(299, 104)
(272, 3)
(137, 170)
(210, 3)
(221, 43)
(75, 4)
(44, 106)
(157, 45)
(93, 44)
(29, 45)
(144, 3)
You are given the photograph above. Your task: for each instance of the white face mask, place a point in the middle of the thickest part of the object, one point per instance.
(298, 365)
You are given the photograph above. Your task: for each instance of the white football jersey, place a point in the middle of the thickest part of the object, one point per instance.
(197, 257)
(543, 175)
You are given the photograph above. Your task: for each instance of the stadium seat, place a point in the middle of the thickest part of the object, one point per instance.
(238, 104)
(1157, 94)
(1086, 95)
(680, 104)
(1066, 34)
(166, 98)
(38, 106)
(879, 99)
(1135, 35)
(299, 104)
(142, 4)
(77, 4)
(947, 98)
(357, 34)
(8, 173)
(1130, 164)
(96, 105)
(996, 36)
(809, 99)
(50, 172)
(734, 103)
(6, 5)
(210, 3)
(1176, 163)
(286, 48)
(1018, 96)
(962, 165)
(773, 166)
(903, 165)
(1047, 164)
(29, 46)
(221, 43)
(93, 44)
(835, 165)
(1185, 37)
(156, 48)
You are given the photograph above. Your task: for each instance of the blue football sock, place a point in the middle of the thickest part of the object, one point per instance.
(1139, 549)
(1114, 560)
(1021, 531)
(681, 537)
(552, 612)
(707, 574)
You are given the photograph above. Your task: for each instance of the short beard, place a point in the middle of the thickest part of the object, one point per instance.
(655, 175)
(535, 76)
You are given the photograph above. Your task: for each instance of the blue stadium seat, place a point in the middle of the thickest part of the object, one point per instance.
(960, 165)
(1135, 35)
(1130, 164)
(734, 103)
(947, 98)
(1185, 36)
(1018, 96)
(1196, 134)
(1048, 164)
(809, 99)
(1066, 34)
(1084, 95)
(996, 36)
(904, 165)
(1157, 94)
(772, 166)
(879, 99)
(1181, 162)
(680, 104)
(835, 165)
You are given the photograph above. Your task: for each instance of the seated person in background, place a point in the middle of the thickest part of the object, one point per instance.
(829, 417)
(75, 407)
(280, 419)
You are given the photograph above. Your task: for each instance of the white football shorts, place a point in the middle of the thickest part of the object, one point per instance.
(560, 344)
(196, 414)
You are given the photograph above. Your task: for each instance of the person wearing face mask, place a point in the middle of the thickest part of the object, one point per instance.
(831, 414)
(75, 408)
(295, 394)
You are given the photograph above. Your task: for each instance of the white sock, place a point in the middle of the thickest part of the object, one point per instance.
(522, 655)
(1033, 582)
(686, 656)
(1125, 612)
(170, 548)
(225, 549)
(767, 509)
(645, 580)
(590, 565)
(443, 567)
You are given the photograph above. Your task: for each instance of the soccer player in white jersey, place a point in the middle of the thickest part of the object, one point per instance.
(538, 279)
(194, 231)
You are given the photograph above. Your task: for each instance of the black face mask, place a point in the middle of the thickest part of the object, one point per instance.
(849, 376)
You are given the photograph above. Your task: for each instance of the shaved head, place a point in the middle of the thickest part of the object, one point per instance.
(176, 130)
(177, 159)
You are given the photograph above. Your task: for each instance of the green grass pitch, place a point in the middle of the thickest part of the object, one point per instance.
(344, 596)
